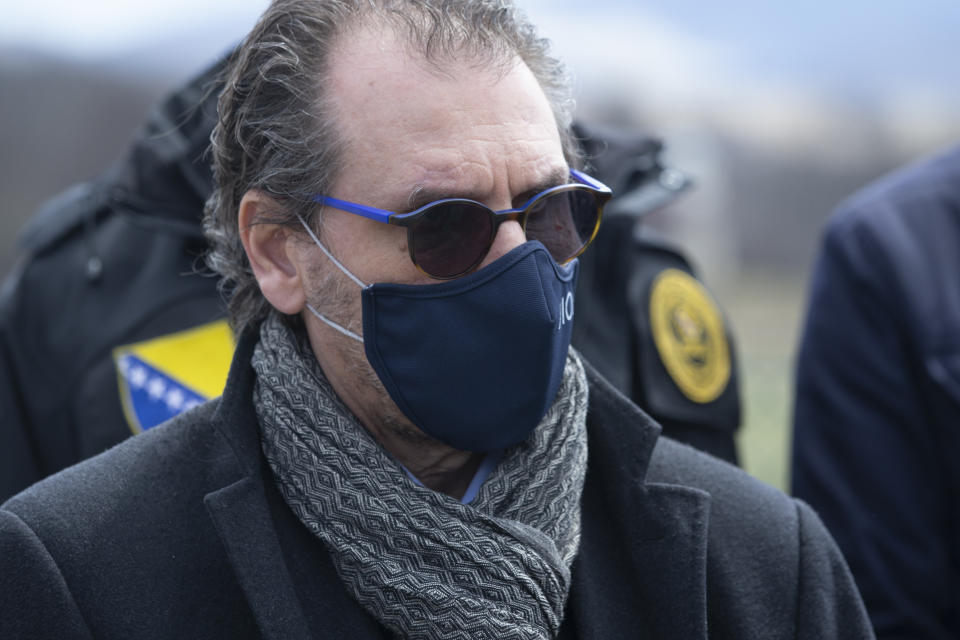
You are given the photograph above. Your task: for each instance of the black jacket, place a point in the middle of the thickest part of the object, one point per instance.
(109, 263)
(180, 532)
(877, 421)
(114, 265)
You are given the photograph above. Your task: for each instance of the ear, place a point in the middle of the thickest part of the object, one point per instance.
(272, 252)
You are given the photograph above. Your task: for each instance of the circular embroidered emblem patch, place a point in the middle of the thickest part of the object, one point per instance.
(689, 333)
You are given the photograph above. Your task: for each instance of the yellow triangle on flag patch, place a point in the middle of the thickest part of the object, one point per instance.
(160, 377)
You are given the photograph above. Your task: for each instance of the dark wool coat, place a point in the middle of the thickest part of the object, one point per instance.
(180, 533)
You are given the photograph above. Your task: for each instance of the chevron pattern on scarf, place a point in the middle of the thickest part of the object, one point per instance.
(425, 565)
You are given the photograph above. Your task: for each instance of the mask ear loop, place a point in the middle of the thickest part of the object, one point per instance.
(320, 316)
(316, 240)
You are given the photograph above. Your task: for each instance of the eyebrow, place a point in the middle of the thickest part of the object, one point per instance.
(422, 195)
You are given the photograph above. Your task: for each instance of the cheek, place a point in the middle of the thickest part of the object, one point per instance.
(385, 257)
(392, 256)
(369, 249)
(373, 251)
(403, 247)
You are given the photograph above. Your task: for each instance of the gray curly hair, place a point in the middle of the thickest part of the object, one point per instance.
(275, 132)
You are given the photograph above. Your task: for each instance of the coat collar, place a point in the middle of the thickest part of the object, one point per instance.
(643, 547)
(642, 560)
(242, 517)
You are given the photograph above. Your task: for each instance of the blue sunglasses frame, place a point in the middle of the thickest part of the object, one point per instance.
(601, 192)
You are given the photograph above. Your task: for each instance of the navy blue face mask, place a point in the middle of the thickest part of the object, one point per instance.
(477, 361)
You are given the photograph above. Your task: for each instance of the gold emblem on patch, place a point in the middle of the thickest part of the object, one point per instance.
(689, 333)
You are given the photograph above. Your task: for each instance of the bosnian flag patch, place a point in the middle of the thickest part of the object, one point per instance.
(164, 376)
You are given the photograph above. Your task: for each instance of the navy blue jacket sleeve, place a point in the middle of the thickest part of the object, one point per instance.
(866, 453)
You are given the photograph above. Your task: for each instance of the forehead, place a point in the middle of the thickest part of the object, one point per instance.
(407, 120)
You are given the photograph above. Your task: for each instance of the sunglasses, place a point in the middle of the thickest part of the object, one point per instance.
(450, 237)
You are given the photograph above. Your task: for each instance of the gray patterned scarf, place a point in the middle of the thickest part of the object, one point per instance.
(425, 565)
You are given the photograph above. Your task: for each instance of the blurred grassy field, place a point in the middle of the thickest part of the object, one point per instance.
(766, 312)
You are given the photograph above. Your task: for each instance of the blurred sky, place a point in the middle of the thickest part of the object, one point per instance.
(856, 51)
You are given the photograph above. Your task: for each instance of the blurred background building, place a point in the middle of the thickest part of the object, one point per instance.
(779, 110)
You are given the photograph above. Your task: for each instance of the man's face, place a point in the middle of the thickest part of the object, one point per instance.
(416, 133)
